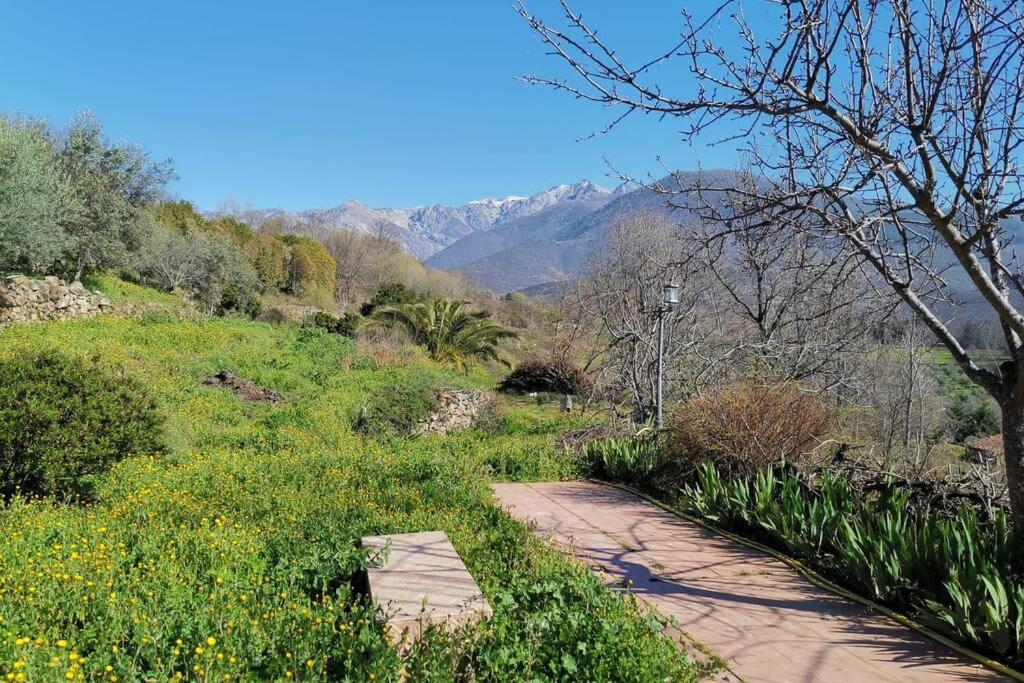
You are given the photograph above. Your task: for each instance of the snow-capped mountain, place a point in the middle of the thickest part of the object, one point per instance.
(426, 230)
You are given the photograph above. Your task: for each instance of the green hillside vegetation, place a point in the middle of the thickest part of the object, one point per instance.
(232, 556)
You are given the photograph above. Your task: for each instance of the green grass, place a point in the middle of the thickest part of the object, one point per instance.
(952, 379)
(232, 558)
(120, 292)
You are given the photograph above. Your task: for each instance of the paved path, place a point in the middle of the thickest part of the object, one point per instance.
(765, 620)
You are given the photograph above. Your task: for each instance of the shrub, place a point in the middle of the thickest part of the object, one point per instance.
(391, 294)
(63, 419)
(396, 410)
(972, 413)
(346, 325)
(553, 372)
(746, 428)
(630, 459)
(274, 316)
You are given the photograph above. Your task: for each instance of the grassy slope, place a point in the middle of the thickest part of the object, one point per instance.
(231, 557)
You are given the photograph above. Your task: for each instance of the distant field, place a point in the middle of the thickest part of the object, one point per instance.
(952, 378)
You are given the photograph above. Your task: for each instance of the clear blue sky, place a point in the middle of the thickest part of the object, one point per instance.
(310, 103)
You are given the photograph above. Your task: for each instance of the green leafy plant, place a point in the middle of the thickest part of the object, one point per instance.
(955, 573)
(346, 325)
(396, 409)
(451, 332)
(63, 419)
(390, 294)
(630, 459)
(972, 413)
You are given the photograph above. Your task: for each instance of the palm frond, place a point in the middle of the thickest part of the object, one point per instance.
(452, 332)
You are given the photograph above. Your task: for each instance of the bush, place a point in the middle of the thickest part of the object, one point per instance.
(346, 325)
(972, 413)
(391, 294)
(396, 410)
(553, 372)
(63, 419)
(747, 428)
(630, 459)
(274, 316)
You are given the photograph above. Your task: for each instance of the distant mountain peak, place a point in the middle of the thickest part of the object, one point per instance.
(565, 191)
(503, 243)
(426, 230)
(498, 202)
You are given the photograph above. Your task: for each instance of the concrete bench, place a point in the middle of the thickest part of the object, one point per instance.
(421, 580)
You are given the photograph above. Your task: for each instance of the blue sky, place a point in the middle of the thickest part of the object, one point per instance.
(310, 103)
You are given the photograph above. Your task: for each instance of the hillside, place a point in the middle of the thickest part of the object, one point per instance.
(232, 556)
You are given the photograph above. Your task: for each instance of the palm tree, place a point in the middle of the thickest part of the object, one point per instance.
(449, 329)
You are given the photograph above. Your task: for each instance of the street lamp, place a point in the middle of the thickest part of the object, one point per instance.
(670, 294)
(669, 298)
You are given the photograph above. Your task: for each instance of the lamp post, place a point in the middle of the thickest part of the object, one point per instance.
(669, 297)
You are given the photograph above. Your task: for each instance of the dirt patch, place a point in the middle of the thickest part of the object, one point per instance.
(243, 388)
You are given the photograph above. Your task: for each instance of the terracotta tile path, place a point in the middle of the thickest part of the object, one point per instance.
(768, 622)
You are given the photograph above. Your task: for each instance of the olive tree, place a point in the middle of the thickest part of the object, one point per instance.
(104, 189)
(30, 238)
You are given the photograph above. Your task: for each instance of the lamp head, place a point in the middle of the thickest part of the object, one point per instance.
(670, 294)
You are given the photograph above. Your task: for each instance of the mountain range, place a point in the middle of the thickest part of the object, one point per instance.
(503, 244)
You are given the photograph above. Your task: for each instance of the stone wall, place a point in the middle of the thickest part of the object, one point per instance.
(23, 299)
(457, 409)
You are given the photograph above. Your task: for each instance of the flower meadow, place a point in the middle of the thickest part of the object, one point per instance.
(234, 556)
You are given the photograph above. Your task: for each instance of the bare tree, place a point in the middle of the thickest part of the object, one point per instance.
(618, 300)
(356, 257)
(802, 309)
(384, 230)
(896, 403)
(894, 127)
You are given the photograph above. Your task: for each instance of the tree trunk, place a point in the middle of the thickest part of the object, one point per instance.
(1013, 454)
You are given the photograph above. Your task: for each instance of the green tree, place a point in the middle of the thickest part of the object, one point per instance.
(269, 256)
(310, 268)
(180, 216)
(235, 230)
(208, 265)
(390, 294)
(30, 238)
(104, 188)
(451, 332)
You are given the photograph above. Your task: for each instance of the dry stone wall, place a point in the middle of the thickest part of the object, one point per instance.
(23, 299)
(456, 409)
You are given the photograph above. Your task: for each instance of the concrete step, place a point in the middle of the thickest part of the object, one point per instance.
(418, 579)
